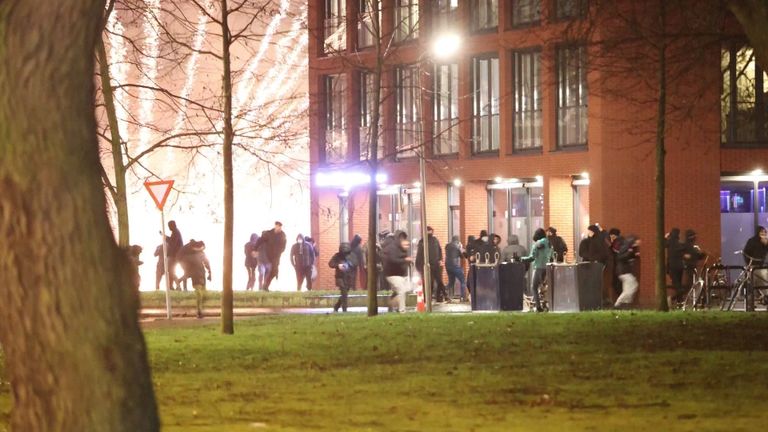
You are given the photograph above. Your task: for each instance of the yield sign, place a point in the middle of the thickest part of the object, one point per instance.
(159, 191)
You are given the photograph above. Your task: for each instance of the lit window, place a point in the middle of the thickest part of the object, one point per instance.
(445, 15)
(446, 109)
(335, 26)
(406, 20)
(368, 105)
(408, 117)
(527, 114)
(744, 99)
(571, 96)
(335, 124)
(570, 9)
(485, 88)
(485, 14)
(526, 11)
(369, 22)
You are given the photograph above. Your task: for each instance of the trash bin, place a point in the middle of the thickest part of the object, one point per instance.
(485, 288)
(511, 286)
(575, 287)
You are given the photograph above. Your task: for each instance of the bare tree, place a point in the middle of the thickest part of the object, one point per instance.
(753, 16)
(73, 301)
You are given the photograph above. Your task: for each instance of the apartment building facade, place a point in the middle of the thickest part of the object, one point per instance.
(536, 120)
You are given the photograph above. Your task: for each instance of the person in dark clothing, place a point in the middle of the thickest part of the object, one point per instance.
(514, 251)
(756, 249)
(495, 247)
(251, 260)
(628, 253)
(134, 254)
(593, 248)
(675, 262)
(264, 266)
(160, 267)
(344, 264)
(435, 265)
(692, 254)
(273, 242)
(302, 259)
(453, 253)
(357, 249)
(615, 242)
(174, 244)
(396, 262)
(194, 263)
(471, 249)
(558, 245)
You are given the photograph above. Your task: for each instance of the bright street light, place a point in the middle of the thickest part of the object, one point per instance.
(446, 46)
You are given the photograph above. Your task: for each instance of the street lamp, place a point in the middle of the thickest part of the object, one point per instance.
(444, 47)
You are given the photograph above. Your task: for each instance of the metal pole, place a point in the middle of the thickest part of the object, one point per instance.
(426, 276)
(165, 264)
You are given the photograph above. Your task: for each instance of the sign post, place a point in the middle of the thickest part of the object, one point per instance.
(159, 192)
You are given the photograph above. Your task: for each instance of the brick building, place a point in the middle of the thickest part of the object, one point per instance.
(536, 121)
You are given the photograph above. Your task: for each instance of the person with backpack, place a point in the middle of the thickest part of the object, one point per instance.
(345, 264)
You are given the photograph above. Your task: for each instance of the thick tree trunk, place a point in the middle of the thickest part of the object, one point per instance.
(74, 352)
(661, 129)
(753, 16)
(227, 322)
(120, 192)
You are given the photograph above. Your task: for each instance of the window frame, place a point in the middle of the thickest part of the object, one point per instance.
(412, 20)
(582, 7)
(560, 72)
(729, 126)
(475, 8)
(477, 117)
(331, 116)
(340, 24)
(452, 119)
(537, 100)
(365, 27)
(402, 151)
(514, 23)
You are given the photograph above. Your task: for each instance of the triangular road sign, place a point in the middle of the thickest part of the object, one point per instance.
(159, 191)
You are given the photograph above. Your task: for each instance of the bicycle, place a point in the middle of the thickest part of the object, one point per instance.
(696, 297)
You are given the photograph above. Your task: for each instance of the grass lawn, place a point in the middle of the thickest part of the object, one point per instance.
(254, 299)
(484, 372)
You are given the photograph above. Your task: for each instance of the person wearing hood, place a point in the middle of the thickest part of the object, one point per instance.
(541, 254)
(302, 259)
(453, 253)
(360, 273)
(495, 246)
(626, 257)
(756, 249)
(174, 243)
(593, 248)
(396, 262)
(514, 250)
(692, 254)
(344, 264)
(251, 260)
(675, 261)
(559, 248)
(435, 264)
(194, 262)
(272, 244)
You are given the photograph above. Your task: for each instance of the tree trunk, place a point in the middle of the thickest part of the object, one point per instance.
(120, 192)
(227, 322)
(661, 126)
(753, 16)
(74, 352)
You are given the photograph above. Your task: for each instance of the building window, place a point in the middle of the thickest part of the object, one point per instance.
(571, 96)
(446, 110)
(445, 15)
(526, 11)
(406, 20)
(344, 218)
(408, 117)
(485, 14)
(566, 9)
(485, 88)
(527, 115)
(335, 26)
(368, 105)
(454, 213)
(335, 124)
(368, 23)
(744, 99)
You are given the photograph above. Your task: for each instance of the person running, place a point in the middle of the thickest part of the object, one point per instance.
(396, 262)
(194, 262)
(274, 245)
(251, 260)
(628, 254)
(302, 259)
(344, 264)
(541, 253)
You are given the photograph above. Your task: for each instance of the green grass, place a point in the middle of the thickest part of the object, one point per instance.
(483, 372)
(253, 299)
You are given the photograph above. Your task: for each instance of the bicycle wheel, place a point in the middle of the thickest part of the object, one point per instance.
(690, 299)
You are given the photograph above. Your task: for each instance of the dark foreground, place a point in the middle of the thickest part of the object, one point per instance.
(490, 372)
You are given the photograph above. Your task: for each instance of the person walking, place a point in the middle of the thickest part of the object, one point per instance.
(357, 249)
(344, 264)
(541, 254)
(435, 265)
(274, 246)
(160, 267)
(174, 244)
(194, 262)
(396, 262)
(302, 259)
(675, 263)
(628, 254)
(559, 247)
(453, 253)
(514, 250)
(251, 260)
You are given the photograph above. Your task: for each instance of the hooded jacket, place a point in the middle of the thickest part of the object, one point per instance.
(344, 258)
(302, 254)
(453, 251)
(395, 263)
(435, 252)
(513, 250)
(755, 248)
(674, 250)
(627, 254)
(541, 252)
(251, 254)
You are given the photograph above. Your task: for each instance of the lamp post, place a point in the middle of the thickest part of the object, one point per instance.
(444, 47)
